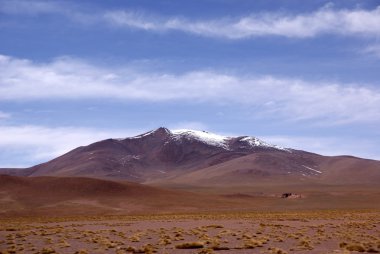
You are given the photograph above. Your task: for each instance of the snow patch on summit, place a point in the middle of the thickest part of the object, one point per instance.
(211, 138)
(221, 141)
(203, 136)
(252, 141)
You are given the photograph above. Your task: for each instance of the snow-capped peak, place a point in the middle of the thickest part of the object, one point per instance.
(161, 129)
(253, 141)
(211, 139)
(203, 136)
(222, 141)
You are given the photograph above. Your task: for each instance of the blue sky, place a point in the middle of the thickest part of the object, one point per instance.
(301, 74)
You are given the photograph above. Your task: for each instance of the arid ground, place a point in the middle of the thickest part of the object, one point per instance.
(257, 232)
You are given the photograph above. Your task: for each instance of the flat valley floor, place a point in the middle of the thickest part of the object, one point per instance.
(328, 231)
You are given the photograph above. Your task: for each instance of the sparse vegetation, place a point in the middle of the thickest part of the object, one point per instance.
(190, 245)
(272, 233)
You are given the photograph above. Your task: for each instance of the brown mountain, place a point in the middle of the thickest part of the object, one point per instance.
(196, 157)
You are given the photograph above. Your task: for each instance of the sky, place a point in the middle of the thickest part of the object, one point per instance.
(295, 73)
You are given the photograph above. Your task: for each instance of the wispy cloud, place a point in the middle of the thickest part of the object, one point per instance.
(288, 98)
(323, 21)
(345, 22)
(41, 143)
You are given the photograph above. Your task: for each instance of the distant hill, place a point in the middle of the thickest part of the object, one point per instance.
(57, 196)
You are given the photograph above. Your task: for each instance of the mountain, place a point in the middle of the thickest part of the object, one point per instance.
(152, 172)
(184, 157)
(151, 155)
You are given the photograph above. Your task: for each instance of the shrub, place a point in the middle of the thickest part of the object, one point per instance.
(192, 245)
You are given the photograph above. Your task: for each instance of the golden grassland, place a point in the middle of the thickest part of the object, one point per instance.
(329, 231)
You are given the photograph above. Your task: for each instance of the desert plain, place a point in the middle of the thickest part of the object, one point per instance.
(84, 215)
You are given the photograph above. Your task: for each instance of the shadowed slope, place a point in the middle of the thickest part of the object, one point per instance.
(77, 195)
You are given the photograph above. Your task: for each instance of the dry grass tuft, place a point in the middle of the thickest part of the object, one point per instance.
(275, 250)
(217, 247)
(190, 245)
(47, 251)
(359, 247)
(206, 251)
(81, 252)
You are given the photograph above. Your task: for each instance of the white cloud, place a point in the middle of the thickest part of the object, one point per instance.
(331, 146)
(293, 99)
(347, 22)
(40, 143)
(323, 21)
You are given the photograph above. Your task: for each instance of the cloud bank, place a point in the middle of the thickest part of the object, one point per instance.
(344, 22)
(269, 96)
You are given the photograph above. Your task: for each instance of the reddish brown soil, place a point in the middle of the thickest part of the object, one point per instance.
(301, 232)
(58, 196)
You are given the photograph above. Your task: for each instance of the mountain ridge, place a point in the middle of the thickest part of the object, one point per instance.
(165, 156)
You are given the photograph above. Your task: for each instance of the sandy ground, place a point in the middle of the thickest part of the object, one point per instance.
(284, 232)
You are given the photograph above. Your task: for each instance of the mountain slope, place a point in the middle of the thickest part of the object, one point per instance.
(297, 167)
